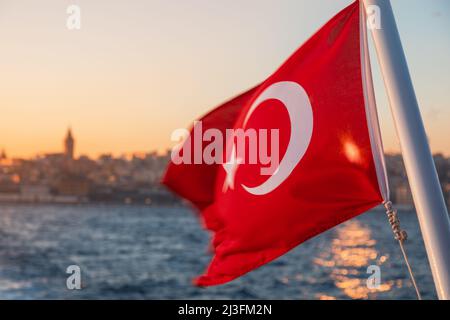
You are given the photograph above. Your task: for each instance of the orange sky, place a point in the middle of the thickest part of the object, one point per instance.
(136, 72)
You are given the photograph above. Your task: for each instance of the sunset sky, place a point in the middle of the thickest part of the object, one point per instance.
(137, 70)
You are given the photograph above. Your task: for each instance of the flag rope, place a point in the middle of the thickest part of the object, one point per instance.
(401, 236)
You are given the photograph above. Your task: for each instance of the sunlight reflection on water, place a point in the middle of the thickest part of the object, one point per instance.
(351, 252)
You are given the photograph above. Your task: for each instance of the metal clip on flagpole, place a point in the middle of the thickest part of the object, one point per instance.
(422, 176)
(401, 236)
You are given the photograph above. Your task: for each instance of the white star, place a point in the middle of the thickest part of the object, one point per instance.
(230, 168)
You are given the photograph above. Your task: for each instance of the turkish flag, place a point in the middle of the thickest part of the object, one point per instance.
(326, 171)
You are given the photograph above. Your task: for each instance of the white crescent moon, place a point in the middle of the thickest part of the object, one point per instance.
(296, 102)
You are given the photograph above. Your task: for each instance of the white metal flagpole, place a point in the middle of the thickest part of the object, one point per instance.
(422, 176)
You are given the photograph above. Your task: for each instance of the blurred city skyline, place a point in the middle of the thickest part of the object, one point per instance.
(62, 149)
(68, 137)
(62, 177)
(136, 72)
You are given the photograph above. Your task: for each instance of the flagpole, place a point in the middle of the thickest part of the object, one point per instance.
(420, 168)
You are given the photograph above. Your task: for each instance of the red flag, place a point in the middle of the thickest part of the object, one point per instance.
(326, 169)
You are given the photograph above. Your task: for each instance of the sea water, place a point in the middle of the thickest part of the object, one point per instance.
(146, 252)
